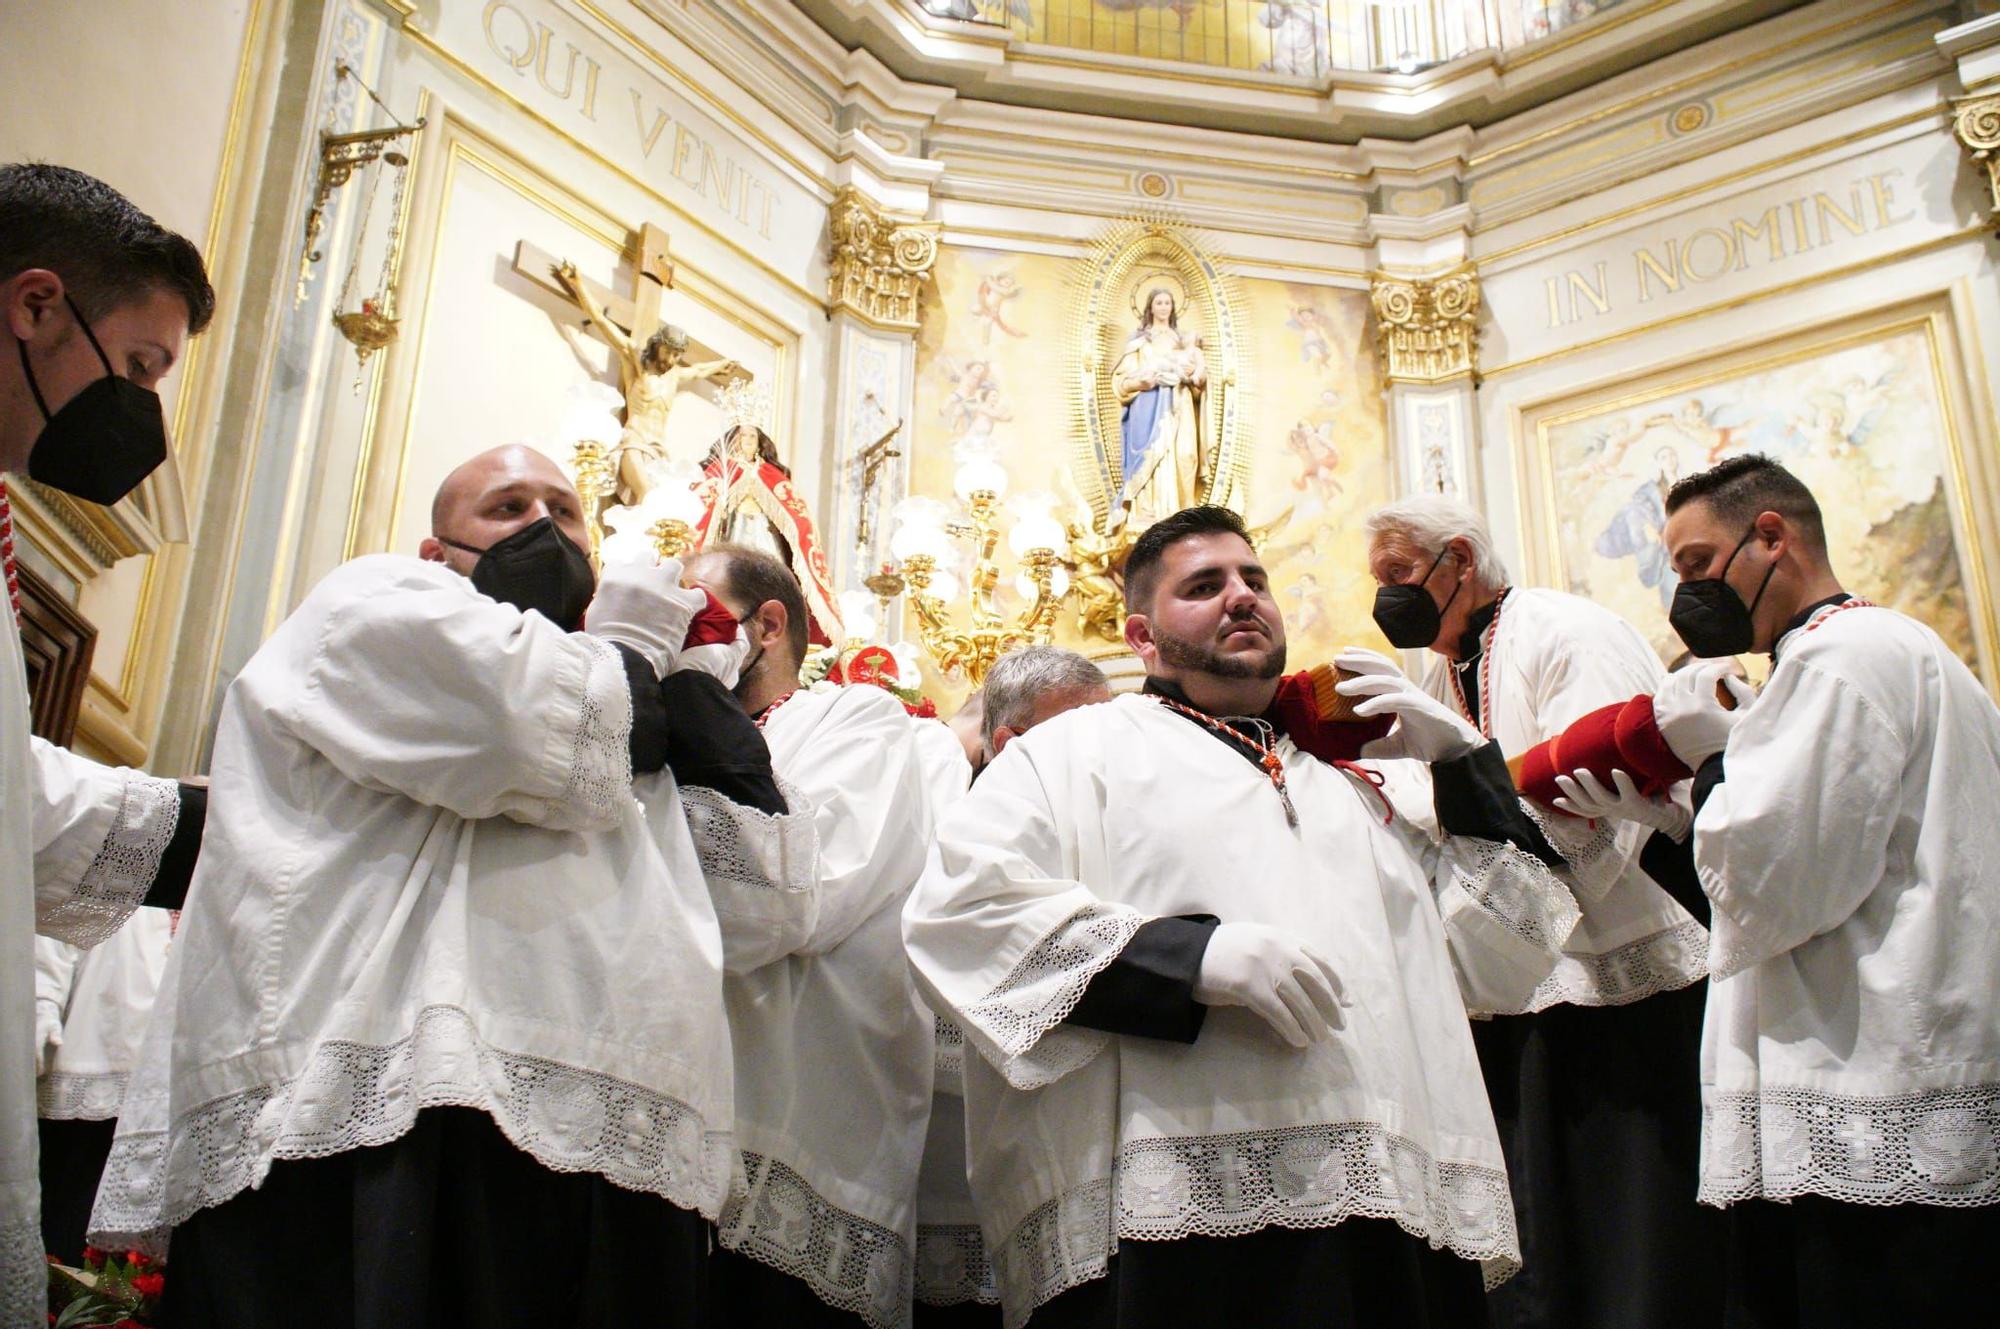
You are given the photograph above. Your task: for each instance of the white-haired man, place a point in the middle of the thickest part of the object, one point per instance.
(1593, 1080)
(1033, 685)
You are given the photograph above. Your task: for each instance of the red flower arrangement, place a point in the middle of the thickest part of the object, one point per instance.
(110, 1291)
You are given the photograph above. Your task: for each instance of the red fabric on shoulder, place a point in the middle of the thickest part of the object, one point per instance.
(1329, 740)
(712, 625)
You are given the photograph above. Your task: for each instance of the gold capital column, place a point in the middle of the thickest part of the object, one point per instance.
(1976, 124)
(1427, 345)
(877, 267)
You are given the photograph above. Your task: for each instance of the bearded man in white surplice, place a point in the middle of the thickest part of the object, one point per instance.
(1217, 987)
(441, 1037)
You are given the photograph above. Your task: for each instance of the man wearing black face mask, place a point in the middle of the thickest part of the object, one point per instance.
(833, 1051)
(1851, 1069)
(1593, 1078)
(443, 1023)
(96, 301)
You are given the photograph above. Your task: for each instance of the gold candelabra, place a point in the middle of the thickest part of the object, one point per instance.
(671, 536)
(988, 635)
(596, 479)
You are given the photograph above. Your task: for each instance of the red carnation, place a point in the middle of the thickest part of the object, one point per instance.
(139, 1259)
(92, 1257)
(149, 1285)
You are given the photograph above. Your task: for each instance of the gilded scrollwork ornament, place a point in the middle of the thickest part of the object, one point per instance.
(1426, 328)
(877, 266)
(1976, 123)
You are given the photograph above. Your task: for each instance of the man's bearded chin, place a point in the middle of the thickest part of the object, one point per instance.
(1203, 657)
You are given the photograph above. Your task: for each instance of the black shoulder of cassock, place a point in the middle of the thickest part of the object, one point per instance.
(169, 887)
(1149, 989)
(1475, 796)
(711, 742)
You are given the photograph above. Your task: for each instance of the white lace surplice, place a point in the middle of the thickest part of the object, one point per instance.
(425, 881)
(1556, 658)
(105, 998)
(833, 1051)
(80, 843)
(1852, 1045)
(1113, 814)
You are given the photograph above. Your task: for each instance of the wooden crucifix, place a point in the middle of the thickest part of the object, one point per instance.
(655, 360)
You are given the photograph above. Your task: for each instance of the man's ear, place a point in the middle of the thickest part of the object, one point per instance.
(1139, 636)
(1461, 553)
(772, 620)
(29, 298)
(430, 549)
(1773, 531)
(1002, 736)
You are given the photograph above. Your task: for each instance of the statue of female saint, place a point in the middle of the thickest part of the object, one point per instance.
(650, 376)
(1159, 380)
(748, 498)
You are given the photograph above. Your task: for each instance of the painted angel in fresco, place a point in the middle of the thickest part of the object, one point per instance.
(989, 305)
(976, 402)
(1319, 459)
(650, 376)
(1605, 452)
(1159, 379)
(1310, 612)
(1714, 432)
(1315, 338)
(1634, 530)
(1838, 421)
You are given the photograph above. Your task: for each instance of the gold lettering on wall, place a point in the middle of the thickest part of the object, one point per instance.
(1663, 267)
(567, 73)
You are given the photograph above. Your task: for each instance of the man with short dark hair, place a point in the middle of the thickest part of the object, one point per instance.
(1217, 987)
(833, 1052)
(441, 1037)
(1845, 835)
(99, 301)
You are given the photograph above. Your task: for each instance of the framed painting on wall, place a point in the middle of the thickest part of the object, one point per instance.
(1870, 413)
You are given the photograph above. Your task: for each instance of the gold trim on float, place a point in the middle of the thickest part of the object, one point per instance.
(1935, 315)
(1736, 302)
(435, 49)
(1717, 182)
(1670, 89)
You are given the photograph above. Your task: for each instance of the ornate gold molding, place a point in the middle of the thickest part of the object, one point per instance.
(876, 266)
(1976, 124)
(1426, 328)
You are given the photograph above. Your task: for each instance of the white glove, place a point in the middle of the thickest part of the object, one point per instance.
(1691, 719)
(1285, 984)
(646, 609)
(1584, 795)
(48, 1035)
(1426, 728)
(723, 660)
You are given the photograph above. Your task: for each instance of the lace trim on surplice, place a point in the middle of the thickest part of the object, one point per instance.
(849, 1263)
(952, 1267)
(1022, 1011)
(352, 1095)
(745, 846)
(119, 876)
(1233, 1185)
(1935, 1146)
(71, 1096)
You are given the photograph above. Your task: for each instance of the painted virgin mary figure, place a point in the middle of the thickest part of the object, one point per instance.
(1159, 380)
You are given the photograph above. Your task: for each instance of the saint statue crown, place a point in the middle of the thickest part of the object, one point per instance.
(746, 402)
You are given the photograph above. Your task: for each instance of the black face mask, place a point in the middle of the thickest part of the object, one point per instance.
(1711, 618)
(538, 568)
(104, 440)
(1407, 615)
